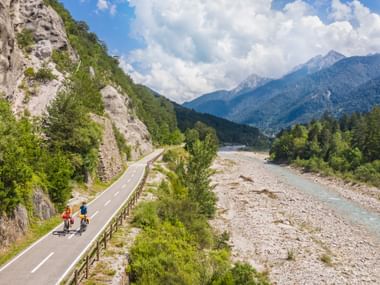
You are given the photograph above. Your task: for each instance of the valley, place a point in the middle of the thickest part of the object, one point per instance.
(92, 96)
(300, 229)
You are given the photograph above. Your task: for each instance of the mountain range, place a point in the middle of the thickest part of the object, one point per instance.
(331, 83)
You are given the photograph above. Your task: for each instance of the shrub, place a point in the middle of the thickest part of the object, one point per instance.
(339, 163)
(369, 172)
(326, 259)
(167, 255)
(121, 143)
(25, 39)
(29, 73)
(242, 274)
(291, 255)
(173, 157)
(62, 60)
(145, 215)
(44, 75)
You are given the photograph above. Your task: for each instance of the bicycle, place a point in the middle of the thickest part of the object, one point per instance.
(66, 225)
(83, 223)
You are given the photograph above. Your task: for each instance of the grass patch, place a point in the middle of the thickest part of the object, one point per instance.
(25, 40)
(291, 255)
(326, 259)
(37, 230)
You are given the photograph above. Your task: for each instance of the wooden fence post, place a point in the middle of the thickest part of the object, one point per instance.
(97, 250)
(76, 277)
(87, 266)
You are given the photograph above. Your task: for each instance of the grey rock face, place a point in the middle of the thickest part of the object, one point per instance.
(118, 108)
(43, 208)
(14, 226)
(48, 33)
(44, 49)
(110, 161)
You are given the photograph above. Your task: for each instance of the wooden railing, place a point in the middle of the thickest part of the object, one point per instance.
(93, 254)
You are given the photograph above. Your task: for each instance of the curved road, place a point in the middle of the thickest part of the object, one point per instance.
(49, 259)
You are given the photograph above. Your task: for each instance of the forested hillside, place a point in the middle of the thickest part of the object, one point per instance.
(227, 131)
(349, 147)
(68, 148)
(153, 111)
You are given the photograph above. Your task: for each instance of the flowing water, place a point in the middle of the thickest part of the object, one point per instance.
(345, 207)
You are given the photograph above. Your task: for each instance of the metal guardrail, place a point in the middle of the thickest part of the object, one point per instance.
(81, 270)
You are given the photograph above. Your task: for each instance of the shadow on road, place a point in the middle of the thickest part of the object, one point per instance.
(63, 233)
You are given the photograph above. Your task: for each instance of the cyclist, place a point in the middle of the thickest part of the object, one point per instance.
(83, 208)
(83, 214)
(67, 218)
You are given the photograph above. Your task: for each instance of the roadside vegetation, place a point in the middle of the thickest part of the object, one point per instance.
(176, 244)
(348, 147)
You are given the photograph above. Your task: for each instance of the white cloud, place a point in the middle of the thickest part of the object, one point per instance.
(340, 11)
(102, 5)
(197, 46)
(113, 9)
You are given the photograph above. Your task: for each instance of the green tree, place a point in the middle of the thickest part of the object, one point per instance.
(198, 173)
(69, 128)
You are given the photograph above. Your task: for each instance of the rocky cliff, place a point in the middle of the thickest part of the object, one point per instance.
(29, 33)
(117, 106)
(16, 224)
(110, 161)
(20, 56)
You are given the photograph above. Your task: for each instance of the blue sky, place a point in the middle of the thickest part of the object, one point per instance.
(113, 29)
(184, 48)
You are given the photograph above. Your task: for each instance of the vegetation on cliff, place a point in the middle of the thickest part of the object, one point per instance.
(26, 162)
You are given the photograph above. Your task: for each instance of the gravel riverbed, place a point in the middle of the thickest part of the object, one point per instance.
(295, 237)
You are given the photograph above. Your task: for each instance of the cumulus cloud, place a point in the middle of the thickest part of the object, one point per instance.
(113, 9)
(105, 5)
(197, 46)
(102, 5)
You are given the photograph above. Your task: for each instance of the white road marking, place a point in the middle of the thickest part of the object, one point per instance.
(117, 193)
(109, 201)
(133, 175)
(94, 214)
(42, 262)
(71, 236)
(125, 185)
(77, 230)
(129, 180)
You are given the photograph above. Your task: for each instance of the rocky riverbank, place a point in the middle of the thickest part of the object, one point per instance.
(288, 233)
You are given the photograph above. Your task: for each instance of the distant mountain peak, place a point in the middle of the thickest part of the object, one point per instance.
(320, 62)
(335, 54)
(251, 82)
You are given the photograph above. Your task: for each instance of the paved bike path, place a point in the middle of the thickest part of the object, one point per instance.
(48, 260)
